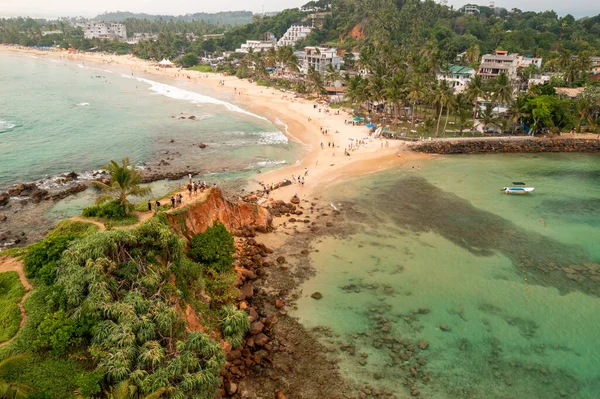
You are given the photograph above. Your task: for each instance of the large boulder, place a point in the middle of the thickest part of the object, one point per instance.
(4, 198)
(256, 328)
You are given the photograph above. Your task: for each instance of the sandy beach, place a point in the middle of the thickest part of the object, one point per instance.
(302, 121)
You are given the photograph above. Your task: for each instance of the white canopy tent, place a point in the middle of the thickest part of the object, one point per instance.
(165, 63)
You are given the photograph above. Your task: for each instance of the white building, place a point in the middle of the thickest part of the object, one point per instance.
(295, 33)
(319, 58)
(258, 46)
(138, 37)
(104, 30)
(458, 76)
(538, 80)
(524, 62)
(493, 65)
(471, 9)
(51, 32)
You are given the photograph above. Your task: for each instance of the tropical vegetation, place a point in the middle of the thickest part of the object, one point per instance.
(124, 181)
(11, 292)
(109, 310)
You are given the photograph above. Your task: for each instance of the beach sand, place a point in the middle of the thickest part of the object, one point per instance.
(303, 123)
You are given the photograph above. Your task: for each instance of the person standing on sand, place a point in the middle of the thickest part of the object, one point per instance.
(157, 204)
(149, 206)
(195, 188)
(189, 188)
(173, 202)
(305, 171)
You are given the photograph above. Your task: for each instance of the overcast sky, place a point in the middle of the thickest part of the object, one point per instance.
(90, 8)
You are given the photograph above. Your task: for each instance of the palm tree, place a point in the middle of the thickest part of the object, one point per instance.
(442, 97)
(584, 106)
(13, 390)
(333, 76)
(472, 54)
(502, 89)
(474, 91)
(394, 90)
(487, 116)
(125, 180)
(315, 82)
(515, 113)
(271, 58)
(415, 92)
(356, 90)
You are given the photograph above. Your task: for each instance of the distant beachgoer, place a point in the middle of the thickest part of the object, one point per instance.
(173, 202)
(149, 206)
(305, 171)
(189, 188)
(157, 204)
(179, 199)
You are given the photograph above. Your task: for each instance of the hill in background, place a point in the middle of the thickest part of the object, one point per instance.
(220, 18)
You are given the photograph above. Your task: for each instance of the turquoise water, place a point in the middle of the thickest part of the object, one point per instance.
(56, 117)
(516, 279)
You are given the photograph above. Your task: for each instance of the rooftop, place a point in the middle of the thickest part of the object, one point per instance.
(458, 70)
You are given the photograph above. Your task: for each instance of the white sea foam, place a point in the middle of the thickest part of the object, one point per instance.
(5, 126)
(264, 138)
(270, 138)
(83, 104)
(270, 163)
(290, 135)
(181, 94)
(186, 95)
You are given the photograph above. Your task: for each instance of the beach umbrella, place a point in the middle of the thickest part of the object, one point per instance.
(370, 126)
(357, 119)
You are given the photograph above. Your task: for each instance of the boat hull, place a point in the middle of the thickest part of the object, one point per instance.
(517, 190)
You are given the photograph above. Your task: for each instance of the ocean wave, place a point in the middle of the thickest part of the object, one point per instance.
(83, 104)
(290, 135)
(5, 126)
(264, 138)
(186, 95)
(60, 181)
(270, 138)
(270, 163)
(181, 94)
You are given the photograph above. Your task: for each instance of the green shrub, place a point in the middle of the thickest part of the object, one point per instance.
(90, 384)
(242, 72)
(73, 228)
(112, 210)
(219, 286)
(214, 248)
(234, 324)
(42, 258)
(11, 292)
(58, 332)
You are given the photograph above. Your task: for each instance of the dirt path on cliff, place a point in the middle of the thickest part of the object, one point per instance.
(9, 264)
(142, 217)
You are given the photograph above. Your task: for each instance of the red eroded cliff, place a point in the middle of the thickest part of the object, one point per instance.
(235, 215)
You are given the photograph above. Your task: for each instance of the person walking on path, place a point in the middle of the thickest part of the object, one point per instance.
(173, 202)
(149, 206)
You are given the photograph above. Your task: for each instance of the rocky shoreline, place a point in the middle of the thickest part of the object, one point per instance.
(514, 145)
(280, 358)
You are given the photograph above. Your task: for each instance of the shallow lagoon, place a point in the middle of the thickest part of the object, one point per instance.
(515, 279)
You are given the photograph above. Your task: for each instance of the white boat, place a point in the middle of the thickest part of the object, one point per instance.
(517, 190)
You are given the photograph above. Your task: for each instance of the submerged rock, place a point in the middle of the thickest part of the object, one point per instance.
(317, 295)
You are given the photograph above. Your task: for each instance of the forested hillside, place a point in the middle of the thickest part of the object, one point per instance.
(219, 18)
